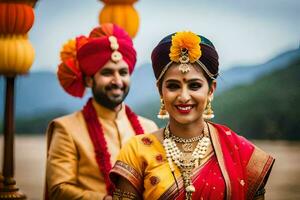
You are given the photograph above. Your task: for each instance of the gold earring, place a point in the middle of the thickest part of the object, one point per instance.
(208, 112)
(162, 114)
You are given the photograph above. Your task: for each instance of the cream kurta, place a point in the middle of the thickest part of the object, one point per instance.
(72, 171)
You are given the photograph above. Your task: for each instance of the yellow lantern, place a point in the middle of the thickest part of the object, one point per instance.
(16, 57)
(123, 15)
(16, 54)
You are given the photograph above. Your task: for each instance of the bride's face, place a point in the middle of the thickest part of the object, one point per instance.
(186, 94)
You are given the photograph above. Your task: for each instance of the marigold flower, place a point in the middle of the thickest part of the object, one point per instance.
(68, 50)
(185, 40)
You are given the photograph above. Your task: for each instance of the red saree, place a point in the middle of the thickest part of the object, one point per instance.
(236, 171)
(207, 180)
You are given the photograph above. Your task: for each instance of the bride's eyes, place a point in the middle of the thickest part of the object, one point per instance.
(173, 86)
(191, 86)
(194, 85)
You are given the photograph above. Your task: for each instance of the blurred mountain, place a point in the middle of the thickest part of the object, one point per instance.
(266, 109)
(39, 94)
(247, 74)
(144, 84)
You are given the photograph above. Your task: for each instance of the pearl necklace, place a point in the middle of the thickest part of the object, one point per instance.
(185, 161)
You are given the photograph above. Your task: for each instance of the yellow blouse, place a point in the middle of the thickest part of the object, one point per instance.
(142, 161)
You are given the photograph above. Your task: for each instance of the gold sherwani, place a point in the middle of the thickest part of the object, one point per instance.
(72, 171)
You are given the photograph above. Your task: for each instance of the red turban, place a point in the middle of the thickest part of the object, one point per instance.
(95, 53)
(91, 54)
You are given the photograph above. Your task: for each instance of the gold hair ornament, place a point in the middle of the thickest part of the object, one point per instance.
(185, 49)
(184, 60)
(212, 76)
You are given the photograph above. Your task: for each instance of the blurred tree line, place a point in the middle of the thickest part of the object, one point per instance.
(268, 108)
(35, 125)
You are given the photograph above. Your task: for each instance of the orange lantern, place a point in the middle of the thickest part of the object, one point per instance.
(123, 15)
(119, 1)
(16, 57)
(16, 54)
(31, 3)
(15, 18)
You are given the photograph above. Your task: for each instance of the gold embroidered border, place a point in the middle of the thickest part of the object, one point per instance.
(258, 167)
(218, 151)
(129, 173)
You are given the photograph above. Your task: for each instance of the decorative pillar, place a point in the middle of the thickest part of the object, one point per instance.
(16, 58)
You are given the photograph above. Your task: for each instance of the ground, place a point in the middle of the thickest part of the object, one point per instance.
(30, 154)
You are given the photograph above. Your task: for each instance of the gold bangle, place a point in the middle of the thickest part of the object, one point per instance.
(124, 195)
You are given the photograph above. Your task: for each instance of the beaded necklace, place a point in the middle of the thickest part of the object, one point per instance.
(185, 161)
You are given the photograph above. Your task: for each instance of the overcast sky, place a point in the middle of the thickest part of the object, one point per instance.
(245, 32)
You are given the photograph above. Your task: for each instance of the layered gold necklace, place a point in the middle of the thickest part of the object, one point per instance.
(186, 160)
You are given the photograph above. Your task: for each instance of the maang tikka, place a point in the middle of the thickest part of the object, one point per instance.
(184, 60)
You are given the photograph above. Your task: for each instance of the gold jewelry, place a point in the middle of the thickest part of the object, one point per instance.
(211, 76)
(184, 61)
(162, 114)
(164, 71)
(123, 195)
(208, 112)
(187, 145)
(186, 162)
(116, 55)
(189, 140)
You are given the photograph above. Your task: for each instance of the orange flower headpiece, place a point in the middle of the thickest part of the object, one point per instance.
(185, 44)
(184, 48)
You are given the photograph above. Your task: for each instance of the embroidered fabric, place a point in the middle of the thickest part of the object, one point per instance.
(124, 195)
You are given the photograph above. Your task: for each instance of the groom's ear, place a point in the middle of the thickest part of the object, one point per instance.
(88, 80)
